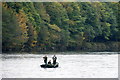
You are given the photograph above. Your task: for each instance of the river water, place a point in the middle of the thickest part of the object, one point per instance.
(71, 65)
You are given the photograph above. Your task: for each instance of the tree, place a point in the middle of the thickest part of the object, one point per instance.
(14, 30)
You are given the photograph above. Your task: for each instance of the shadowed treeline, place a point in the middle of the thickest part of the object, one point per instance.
(60, 26)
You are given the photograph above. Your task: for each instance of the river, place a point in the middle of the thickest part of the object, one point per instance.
(71, 65)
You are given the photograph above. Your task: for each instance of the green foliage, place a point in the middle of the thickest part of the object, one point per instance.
(57, 14)
(54, 27)
(13, 36)
(59, 25)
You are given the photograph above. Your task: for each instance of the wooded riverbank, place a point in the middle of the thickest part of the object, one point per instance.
(60, 26)
(92, 47)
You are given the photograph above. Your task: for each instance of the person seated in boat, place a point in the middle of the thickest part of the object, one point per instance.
(45, 59)
(49, 62)
(54, 59)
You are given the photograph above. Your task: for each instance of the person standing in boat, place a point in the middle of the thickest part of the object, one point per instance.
(54, 59)
(45, 59)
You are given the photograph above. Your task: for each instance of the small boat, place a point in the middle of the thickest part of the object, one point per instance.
(50, 65)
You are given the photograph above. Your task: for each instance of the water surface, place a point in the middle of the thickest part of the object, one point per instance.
(70, 66)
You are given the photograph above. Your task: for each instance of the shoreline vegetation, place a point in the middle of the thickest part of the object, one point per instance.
(61, 53)
(60, 26)
(93, 47)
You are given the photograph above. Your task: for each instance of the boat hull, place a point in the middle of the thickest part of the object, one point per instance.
(50, 66)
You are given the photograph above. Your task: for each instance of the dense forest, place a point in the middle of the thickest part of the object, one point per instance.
(60, 26)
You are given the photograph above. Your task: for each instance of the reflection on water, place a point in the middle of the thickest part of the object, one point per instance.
(70, 66)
